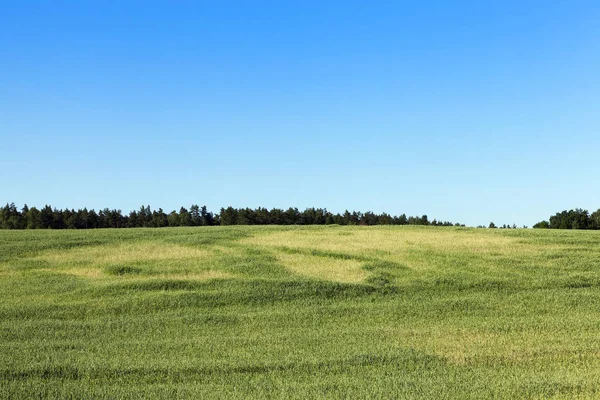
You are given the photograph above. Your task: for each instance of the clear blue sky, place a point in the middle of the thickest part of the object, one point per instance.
(471, 111)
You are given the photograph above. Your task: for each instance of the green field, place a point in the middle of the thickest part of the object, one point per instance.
(300, 312)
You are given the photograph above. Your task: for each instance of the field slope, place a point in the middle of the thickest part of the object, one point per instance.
(300, 312)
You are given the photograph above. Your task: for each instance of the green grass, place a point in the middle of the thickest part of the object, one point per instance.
(300, 312)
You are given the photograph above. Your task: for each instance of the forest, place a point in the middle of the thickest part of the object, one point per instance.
(572, 219)
(52, 218)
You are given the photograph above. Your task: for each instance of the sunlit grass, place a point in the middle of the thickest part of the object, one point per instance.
(300, 312)
(323, 267)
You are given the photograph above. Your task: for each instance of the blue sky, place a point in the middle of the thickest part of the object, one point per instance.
(466, 111)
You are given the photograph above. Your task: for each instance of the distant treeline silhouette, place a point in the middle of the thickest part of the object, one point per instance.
(53, 218)
(572, 219)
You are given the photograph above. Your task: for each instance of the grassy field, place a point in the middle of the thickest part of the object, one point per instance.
(300, 312)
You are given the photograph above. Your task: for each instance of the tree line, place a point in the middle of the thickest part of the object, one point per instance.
(492, 225)
(52, 218)
(572, 219)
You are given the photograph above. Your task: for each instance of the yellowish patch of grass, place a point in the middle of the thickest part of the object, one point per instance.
(96, 273)
(151, 259)
(81, 272)
(125, 253)
(389, 244)
(196, 276)
(394, 241)
(330, 269)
